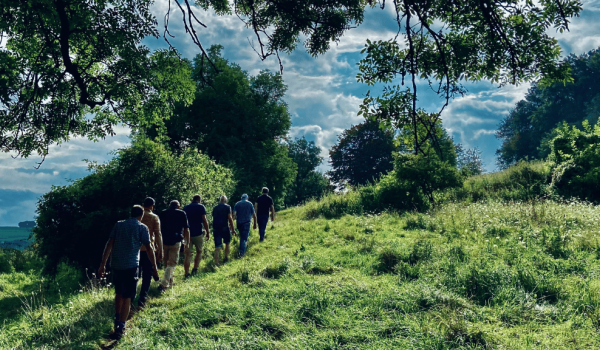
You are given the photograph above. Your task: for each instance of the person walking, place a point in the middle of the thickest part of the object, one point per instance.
(196, 214)
(264, 205)
(124, 243)
(173, 222)
(243, 213)
(221, 231)
(151, 221)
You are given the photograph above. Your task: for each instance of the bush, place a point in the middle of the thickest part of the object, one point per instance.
(5, 264)
(387, 194)
(520, 182)
(74, 221)
(575, 156)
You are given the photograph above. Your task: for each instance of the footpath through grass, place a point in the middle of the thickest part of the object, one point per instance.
(505, 276)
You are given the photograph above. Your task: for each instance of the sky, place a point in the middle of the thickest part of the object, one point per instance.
(323, 98)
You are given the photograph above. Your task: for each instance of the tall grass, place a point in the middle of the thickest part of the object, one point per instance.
(520, 182)
(490, 274)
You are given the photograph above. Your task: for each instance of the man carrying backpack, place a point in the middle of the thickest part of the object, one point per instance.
(173, 222)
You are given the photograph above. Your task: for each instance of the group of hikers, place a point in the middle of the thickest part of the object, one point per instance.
(137, 244)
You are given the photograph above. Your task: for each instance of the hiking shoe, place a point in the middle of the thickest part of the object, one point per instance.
(119, 331)
(161, 289)
(187, 275)
(194, 272)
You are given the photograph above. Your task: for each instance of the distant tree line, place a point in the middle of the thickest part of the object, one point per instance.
(527, 130)
(27, 224)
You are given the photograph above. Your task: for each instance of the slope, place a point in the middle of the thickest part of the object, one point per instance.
(516, 275)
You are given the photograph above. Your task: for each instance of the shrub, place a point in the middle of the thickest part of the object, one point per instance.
(5, 264)
(520, 182)
(575, 156)
(74, 221)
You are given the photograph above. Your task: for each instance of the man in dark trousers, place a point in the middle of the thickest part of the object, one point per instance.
(126, 239)
(175, 228)
(221, 232)
(243, 213)
(153, 223)
(263, 205)
(196, 214)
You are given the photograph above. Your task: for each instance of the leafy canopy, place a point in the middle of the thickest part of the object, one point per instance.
(240, 121)
(442, 43)
(527, 128)
(363, 154)
(309, 183)
(77, 68)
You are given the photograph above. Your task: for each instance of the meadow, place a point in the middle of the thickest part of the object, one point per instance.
(498, 275)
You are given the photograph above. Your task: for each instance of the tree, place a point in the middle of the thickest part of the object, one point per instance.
(240, 121)
(71, 58)
(74, 221)
(469, 161)
(433, 168)
(527, 129)
(309, 182)
(445, 42)
(575, 160)
(363, 153)
(78, 68)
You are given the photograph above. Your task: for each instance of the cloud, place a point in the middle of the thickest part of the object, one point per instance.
(323, 97)
(17, 206)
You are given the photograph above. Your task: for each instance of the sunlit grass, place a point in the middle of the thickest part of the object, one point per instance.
(519, 275)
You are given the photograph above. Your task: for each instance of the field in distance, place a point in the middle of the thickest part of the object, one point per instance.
(13, 233)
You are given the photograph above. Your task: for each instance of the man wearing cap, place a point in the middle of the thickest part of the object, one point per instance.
(173, 223)
(243, 213)
(153, 223)
(221, 232)
(264, 204)
(126, 239)
(196, 214)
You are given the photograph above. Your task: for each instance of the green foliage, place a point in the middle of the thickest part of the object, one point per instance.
(576, 161)
(5, 263)
(74, 221)
(527, 130)
(80, 69)
(520, 182)
(309, 182)
(363, 154)
(505, 42)
(238, 120)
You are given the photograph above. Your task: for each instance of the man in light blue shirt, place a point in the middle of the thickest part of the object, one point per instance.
(243, 213)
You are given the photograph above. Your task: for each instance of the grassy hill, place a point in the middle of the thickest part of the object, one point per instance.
(505, 276)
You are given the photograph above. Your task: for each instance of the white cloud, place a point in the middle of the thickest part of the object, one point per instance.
(323, 95)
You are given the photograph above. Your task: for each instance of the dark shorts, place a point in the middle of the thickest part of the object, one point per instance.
(125, 282)
(222, 236)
